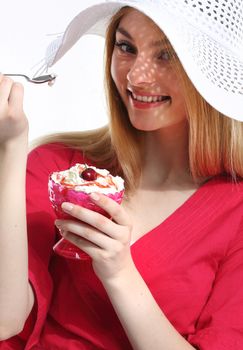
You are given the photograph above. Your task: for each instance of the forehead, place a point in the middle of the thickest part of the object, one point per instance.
(136, 20)
(135, 24)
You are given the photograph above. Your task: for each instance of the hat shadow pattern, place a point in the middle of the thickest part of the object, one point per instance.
(206, 35)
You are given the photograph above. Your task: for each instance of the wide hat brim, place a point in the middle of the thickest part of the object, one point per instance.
(213, 67)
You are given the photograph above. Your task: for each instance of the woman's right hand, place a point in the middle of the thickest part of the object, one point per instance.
(13, 121)
(16, 296)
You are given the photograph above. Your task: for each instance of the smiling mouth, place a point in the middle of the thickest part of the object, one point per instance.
(149, 99)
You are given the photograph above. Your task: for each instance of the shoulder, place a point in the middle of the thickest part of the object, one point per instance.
(228, 186)
(223, 198)
(54, 157)
(224, 185)
(226, 192)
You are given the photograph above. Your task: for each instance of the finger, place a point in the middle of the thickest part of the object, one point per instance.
(86, 246)
(16, 97)
(81, 230)
(5, 88)
(97, 220)
(92, 218)
(115, 210)
(105, 248)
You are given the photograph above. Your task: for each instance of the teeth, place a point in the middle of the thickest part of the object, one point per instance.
(148, 98)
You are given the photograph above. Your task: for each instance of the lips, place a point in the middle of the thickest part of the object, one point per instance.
(148, 98)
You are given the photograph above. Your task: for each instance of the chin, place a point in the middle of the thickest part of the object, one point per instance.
(146, 124)
(144, 127)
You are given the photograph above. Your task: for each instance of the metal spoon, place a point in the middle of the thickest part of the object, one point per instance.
(48, 78)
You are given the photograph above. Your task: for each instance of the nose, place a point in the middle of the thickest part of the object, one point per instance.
(142, 71)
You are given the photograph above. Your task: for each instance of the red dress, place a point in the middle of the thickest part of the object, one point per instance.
(192, 262)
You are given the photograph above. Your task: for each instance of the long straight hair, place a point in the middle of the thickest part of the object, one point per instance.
(215, 141)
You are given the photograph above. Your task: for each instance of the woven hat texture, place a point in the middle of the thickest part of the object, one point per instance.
(206, 35)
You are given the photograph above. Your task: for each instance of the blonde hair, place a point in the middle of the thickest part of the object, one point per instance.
(215, 141)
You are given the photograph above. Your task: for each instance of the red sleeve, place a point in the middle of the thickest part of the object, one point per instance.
(42, 161)
(220, 325)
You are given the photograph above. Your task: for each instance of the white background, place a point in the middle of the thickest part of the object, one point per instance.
(76, 101)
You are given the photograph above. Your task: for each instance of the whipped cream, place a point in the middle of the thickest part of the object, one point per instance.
(104, 183)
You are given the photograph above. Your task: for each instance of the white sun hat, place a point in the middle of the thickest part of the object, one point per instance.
(206, 35)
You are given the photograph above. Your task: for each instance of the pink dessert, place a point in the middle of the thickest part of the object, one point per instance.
(74, 185)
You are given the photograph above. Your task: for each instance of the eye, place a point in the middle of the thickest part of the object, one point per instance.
(165, 55)
(125, 47)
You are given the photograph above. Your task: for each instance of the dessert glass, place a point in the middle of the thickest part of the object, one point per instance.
(59, 193)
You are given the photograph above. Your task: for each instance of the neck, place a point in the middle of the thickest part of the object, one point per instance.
(166, 156)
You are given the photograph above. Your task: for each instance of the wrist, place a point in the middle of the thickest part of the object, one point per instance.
(15, 146)
(124, 279)
(13, 156)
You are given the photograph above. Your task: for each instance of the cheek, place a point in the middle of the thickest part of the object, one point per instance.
(118, 73)
(114, 69)
(175, 86)
(175, 83)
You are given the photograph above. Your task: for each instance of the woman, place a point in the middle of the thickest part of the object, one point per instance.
(166, 272)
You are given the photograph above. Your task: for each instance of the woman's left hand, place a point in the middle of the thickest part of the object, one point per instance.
(106, 241)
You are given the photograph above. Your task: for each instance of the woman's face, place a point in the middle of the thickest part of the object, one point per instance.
(144, 76)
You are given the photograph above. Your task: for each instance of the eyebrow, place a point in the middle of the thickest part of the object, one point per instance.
(155, 43)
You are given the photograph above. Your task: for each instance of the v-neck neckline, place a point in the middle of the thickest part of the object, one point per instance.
(190, 201)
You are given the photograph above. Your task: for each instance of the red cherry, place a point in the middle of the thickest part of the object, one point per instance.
(89, 174)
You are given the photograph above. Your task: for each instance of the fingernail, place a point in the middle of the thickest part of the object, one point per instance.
(58, 223)
(67, 206)
(95, 196)
(61, 231)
